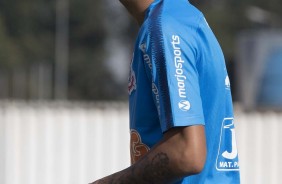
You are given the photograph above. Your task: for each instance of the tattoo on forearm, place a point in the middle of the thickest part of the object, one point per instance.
(127, 178)
(157, 170)
(151, 171)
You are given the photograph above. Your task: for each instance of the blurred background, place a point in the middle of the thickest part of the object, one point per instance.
(63, 87)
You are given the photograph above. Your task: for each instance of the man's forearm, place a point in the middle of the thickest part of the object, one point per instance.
(169, 161)
(150, 169)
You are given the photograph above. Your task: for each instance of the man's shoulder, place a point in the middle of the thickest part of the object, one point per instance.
(174, 17)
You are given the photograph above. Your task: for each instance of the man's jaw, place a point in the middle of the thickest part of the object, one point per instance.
(137, 8)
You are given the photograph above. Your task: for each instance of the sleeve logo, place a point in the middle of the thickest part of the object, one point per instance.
(137, 148)
(131, 79)
(146, 57)
(227, 158)
(178, 63)
(227, 83)
(184, 105)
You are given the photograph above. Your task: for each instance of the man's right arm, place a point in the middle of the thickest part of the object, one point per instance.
(181, 153)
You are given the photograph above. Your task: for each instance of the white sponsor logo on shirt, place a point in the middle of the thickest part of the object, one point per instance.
(178, 63)
(131, 79)
(157, 97)
(227, 82)
(146, 56)
(184, 105)
(227, 157)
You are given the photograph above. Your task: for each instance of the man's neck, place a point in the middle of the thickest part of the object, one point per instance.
(137, 8)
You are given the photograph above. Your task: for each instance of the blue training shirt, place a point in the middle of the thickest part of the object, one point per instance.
(178, 78)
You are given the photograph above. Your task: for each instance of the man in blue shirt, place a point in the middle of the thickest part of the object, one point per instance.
(181, 115)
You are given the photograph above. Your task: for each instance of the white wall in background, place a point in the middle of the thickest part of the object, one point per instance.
(74, 143)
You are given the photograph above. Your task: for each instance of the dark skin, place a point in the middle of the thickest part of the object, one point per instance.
(181, 152)
(137, 8)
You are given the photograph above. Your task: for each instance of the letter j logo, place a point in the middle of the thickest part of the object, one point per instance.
(227, 157)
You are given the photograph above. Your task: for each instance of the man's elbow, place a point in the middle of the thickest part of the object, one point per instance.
(194, 163)
(189, 145)
(198, 163)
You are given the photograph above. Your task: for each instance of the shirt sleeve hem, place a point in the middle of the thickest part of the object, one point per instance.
(183, 122)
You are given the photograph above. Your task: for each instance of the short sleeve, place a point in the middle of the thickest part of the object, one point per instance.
(175, 79)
